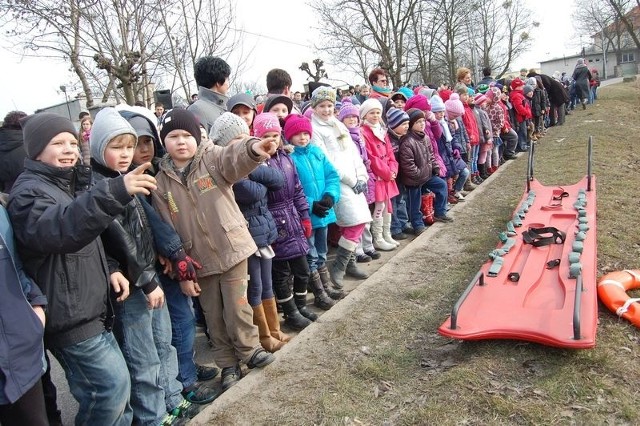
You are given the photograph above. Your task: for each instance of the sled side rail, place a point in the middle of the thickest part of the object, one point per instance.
(479, 278)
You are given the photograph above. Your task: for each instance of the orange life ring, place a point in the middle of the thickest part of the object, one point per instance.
(612, 290)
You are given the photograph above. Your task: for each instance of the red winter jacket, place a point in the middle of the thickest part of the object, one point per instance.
(520, 105)
(469, 120)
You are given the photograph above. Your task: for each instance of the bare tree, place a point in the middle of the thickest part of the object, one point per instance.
(621, 12)
(319, 72)
(379, 27)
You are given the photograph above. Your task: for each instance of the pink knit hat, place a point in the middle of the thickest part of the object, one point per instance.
(295, 124)
(479, 99)
(418, 101)
(454, 107)
(265, 123)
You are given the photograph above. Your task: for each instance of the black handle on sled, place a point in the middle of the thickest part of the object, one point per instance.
(530, 166)
(454, 312)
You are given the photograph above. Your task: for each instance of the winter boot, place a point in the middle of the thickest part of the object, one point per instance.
(378, 240)
(483, 171)
(301, 303)
(268, 342)
(353, 270)
(321, 298)
(292, 316)
(426, 207)
(468, 185)
(339, 266)
(386, 229)
(273, 320)
(333, 293)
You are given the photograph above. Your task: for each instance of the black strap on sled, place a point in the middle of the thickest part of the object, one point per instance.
(539, 237)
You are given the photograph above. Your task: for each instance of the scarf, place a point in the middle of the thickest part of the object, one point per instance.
(445, 130)
(382, 90)
(378, 130)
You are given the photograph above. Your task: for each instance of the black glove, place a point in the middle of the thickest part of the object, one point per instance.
(319, 210)
(436, 171)
(185, 267)
(327, 201)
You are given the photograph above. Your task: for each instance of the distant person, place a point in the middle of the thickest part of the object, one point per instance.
(159, 112)
(85, 128)
(194, 97)
(12, 153)
(212, 77)
(83, 114)
(279, 83)
(297, 100)
(582, 75)
(363, 94)
(379, 81)
(486, 76)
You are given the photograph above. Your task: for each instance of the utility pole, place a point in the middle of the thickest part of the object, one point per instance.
(63, 89)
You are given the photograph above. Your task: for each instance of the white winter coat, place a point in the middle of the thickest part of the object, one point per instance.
(333, 138)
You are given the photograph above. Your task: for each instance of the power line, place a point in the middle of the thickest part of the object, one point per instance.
(271, 38)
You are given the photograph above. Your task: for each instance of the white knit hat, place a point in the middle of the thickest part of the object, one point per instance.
(368, 105)
(227, 127)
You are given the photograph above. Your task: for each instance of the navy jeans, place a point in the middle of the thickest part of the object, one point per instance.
(98, 379)
(183, 329)
(317, 256)
(400, 215)
(144, 336)
(260, 286)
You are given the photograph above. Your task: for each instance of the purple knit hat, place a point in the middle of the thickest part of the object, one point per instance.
(348, 109)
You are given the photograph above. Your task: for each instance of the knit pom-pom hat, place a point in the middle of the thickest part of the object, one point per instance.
(348, 110)
(454, 107)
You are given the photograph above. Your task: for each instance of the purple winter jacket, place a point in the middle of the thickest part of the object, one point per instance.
(370, 195)
(289, 207)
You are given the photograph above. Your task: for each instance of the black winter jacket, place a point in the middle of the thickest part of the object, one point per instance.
(57, 220)
(128, 240)
(12, 155)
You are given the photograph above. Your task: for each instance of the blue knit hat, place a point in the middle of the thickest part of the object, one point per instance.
(437, 104)
(395, 117)
(406, 91)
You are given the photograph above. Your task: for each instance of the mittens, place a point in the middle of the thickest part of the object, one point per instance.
(327, 201)
(319, 209)
(456, 153)
(360, 187)
(185, 266)
(306, 226)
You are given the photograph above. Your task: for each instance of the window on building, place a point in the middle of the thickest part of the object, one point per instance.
(628, 57)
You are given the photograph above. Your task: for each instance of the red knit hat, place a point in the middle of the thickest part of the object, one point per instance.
(295, 124)
(515, 83)
(418, 101)
(265, 123)
(445, 94)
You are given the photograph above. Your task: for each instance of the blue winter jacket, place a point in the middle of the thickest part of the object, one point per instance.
(318, 177)
(289, 207)
(251, 197)
(21, 332)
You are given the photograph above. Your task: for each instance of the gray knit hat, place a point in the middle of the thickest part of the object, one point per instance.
(227, 127)
(39, 129)
(107, 125)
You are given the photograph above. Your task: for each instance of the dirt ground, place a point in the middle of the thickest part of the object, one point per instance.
(376, 358)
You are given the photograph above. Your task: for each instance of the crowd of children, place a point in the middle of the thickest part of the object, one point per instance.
(118, 227)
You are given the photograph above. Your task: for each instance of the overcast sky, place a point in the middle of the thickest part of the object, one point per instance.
(29, 83)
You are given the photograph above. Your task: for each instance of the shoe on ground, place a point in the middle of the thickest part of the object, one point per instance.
(451, 199)
(459, 196)
(171, 420)
(186, 410)
(206, 373)
(399, 237)
(199, 393)
(508, 156)
(260, 358)
(444, 218)
(363, 258)
(419, 231)
(373, 254)
(230, 376)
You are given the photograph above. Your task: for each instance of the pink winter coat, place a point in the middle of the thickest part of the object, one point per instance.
(383, 164)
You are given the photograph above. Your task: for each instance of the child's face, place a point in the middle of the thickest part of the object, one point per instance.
(119, 153)
(86, 125)
(399, 103)
(350, 121)
(248, 114)
(280, 110)
(301, 139)
(273, 135)
(181, 146)
(529, 95)
(144, 150)
(439, 115)
(402, 129)
(464, 98)
(203, 134)
(324, 110)
(419, 125)
(373, 116)
(61, 151)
